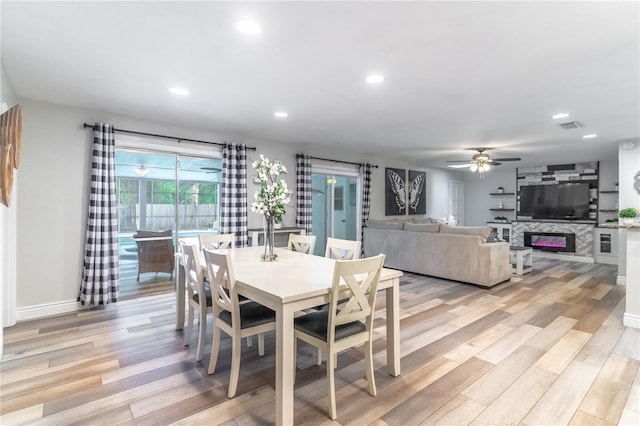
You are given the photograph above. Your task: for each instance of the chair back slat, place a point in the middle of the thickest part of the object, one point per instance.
(193, 269)
(356, 283)
(342, 249)
(217, 241)
(302, 243)
(222, 280)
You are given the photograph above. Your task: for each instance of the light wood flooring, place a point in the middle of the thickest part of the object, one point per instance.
(546, 349)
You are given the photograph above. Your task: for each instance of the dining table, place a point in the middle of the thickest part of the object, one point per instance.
(295, 282)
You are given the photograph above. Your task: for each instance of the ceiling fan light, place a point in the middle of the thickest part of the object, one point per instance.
(487, 167)
(142, 171)
(474, 167)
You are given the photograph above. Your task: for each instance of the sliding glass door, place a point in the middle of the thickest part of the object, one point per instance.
(335, 206)
(161, 191)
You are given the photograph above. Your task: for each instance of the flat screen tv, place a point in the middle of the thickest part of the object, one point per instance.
(563, 201)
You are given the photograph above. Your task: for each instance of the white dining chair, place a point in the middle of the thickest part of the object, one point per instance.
(349, 320)
(236, 319)
(302, 243)
(217, 241)
(342, 249)
(199, 297)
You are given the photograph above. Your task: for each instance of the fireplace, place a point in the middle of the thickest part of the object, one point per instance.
(550, 241)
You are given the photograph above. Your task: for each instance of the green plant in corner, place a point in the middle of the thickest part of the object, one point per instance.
(628, 213)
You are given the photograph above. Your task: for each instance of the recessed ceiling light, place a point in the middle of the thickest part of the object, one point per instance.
(178, 91)
(281, 114)
(374, 79)
(561, 115)
(593, 135)
(248, 27)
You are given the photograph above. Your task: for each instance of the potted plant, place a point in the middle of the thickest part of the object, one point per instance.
(628, 215)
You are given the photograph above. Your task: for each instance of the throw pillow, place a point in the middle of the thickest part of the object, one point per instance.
(425, 220)
(422, 227)
(493, 237)
(384, 224)
(482, 231)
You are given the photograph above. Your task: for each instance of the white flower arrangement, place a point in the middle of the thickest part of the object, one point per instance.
(273, 195)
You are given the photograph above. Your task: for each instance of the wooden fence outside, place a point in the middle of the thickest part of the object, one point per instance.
(163, 216)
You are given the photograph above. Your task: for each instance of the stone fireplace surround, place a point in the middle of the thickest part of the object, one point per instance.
(583, 232)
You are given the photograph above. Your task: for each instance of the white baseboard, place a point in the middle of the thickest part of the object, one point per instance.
(47, 309)
(631, 320)
(582, 259)
(621, 280)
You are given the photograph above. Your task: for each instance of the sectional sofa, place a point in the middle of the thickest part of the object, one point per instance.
(452, 252)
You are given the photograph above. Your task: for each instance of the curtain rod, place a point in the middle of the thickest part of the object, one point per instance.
(133, 132)
(338, 161)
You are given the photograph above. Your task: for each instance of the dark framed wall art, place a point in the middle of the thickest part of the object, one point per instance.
(395, 194)
(417, 197)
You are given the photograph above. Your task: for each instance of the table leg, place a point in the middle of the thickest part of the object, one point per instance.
(180, 291)
(284, 361)
(393, 328)
(519, 263)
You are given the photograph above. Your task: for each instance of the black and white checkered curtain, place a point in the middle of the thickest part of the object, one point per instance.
(303, 192)
(365, 173)
(233, 203)
(100, 277)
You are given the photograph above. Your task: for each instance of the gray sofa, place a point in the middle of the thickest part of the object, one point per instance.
(451, 252)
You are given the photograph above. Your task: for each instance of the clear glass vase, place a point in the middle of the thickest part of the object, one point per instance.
(269, 239)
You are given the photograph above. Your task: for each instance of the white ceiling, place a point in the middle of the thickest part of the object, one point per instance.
(457, 74)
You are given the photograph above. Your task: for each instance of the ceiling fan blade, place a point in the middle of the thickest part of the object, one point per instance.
(508, 159)
(494, 163)
(457, 161)
(459, 166)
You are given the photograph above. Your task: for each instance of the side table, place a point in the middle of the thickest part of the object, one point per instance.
(521, 259)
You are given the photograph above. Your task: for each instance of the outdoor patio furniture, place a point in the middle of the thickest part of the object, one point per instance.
(155, 251)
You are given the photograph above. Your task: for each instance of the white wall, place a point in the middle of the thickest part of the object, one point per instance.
(8, 218)
(629, 271)
(477, 198)
(53, 192)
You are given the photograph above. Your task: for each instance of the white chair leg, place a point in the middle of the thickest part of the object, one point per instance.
(187, 334)
(368, 360)
(331, 387)
(249, 341)
(235, 366)
(215, 347)
(261, 344)
(335, 360)
(319, 357)
(202, 323)
(295, 358)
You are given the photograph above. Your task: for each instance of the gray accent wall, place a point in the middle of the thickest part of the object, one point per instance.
(53, 191)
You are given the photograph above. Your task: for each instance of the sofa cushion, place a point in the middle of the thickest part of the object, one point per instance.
(422, 227)
(482, 231)
(425, 220)
(384, 224)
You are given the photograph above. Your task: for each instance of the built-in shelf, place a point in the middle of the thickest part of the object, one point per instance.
(502, 193)
(608, 210)
(608, 192)
(502, 210)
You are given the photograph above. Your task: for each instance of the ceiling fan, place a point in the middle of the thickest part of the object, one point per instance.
(481, 162)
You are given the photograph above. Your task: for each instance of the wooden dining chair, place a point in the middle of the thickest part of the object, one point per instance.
(302, 243)
(236, 319)
(342, 249)
(349, 320)
(217, 241)
(199, 297)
